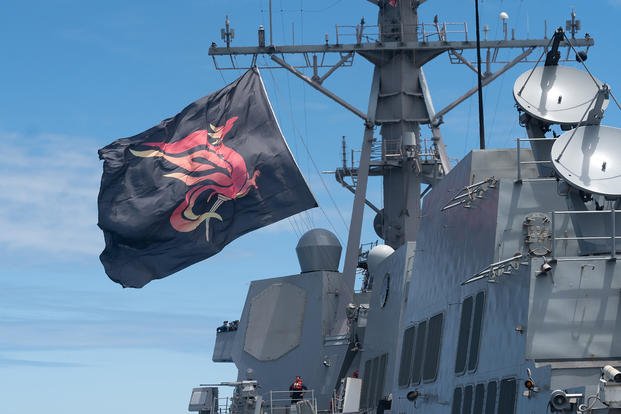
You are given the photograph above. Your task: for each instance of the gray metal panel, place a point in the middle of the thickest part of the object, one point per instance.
(453, 245)
(383, 333)
(590, 226)
(325, 292)
(275, 321)
(460, 242)
(223, 346)
(204, 399)
(575, 311)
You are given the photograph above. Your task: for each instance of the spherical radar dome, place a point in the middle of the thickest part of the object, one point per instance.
(377, 255)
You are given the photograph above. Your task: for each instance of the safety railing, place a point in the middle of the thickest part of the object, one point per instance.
(608, 234)
(223, 405)
(280, 402)
(520, 162)
(393, 148)
(441, 31)
(425, 32)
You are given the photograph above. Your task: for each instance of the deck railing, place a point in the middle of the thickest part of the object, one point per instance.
(520, 163)
(280, 402)
(609, 232)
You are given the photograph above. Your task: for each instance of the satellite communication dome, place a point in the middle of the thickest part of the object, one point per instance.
(588, 158)
(557, 94)
(377, 255)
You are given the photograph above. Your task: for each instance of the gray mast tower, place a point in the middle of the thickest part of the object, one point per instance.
(401, 108)
(399, 103)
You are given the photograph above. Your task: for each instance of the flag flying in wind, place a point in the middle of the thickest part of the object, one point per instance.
(179, 192)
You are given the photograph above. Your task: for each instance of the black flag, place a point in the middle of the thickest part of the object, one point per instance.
(179, 192)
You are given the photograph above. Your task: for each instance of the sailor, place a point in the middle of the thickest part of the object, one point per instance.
(297, 390)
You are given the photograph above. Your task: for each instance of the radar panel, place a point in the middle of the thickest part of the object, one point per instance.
(588, 158)
(557, 94)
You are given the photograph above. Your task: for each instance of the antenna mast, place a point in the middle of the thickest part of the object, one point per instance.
(399, 103)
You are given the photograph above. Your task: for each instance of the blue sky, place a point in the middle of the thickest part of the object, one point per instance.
(77, 75)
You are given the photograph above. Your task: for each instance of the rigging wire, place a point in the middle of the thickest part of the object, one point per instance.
(325, 186)
(500, 94)
(302, 139)
(223, 79)
(479, 79)
(300, 136)
(466, 146)
(304, 216)
(302, 21)
(293, 220)
(308, 214)
(615, 99)
(334, 3)
(301, 9)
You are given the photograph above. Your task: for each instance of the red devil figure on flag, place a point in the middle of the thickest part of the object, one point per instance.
(180, 191)
(221, 171)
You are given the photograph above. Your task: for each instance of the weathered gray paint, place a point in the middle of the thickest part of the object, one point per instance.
(575, 311)
(522, 308)
(316, 343)
(275, 321)
(318, 249)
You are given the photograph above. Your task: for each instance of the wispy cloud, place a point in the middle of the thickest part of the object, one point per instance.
(59, 318)
(49, 193)
(8, 362)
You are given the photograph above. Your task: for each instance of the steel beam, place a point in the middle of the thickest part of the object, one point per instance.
(320, 88)
(438, 46)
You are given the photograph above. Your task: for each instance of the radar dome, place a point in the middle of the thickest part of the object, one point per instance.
(318, 249)
(377, 255)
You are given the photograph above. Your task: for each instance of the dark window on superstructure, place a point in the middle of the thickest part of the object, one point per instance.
(433, 345)
(475, 336)
(469, 339)
(406, 356)
(381, 376)
(479, 396)
(506, 398)
(490, 400)
(464, 335)
(456, 406)
(365, 384)
(467, 408)
(373, 382)
(419, 352)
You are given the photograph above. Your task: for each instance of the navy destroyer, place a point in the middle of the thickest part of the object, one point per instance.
(495, 289)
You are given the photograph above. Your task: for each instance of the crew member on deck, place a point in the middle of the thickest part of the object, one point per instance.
(297, 390)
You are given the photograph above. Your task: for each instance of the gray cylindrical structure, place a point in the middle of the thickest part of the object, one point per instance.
(318, 249)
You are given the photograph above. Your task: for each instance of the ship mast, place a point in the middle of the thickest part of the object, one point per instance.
(399, 103)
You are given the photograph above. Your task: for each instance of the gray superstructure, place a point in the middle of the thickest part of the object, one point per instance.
(497, 289)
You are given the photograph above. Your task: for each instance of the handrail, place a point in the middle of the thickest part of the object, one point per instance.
(280, 400)
(610, 235)
(519, 158)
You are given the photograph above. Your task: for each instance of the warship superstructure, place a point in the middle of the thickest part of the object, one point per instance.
(496, 288)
